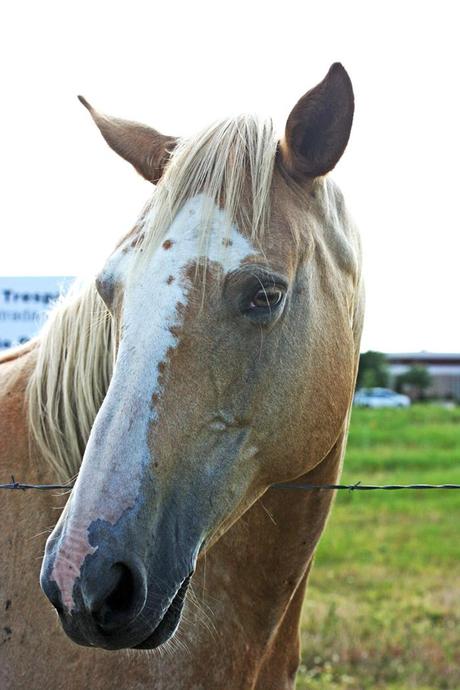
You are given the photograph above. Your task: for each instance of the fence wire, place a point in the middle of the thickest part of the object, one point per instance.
(357, 486)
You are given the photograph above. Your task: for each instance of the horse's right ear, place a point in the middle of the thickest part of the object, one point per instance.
(318, 128)
(145, 148)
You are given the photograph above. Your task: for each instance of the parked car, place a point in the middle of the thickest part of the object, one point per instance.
(380, 397)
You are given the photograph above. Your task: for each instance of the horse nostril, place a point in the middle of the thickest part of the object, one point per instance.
(120, 598)
(122, 595)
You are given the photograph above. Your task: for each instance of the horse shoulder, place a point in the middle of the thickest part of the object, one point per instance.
(15, 370)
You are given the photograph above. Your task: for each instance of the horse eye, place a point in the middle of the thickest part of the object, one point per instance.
(267, 298)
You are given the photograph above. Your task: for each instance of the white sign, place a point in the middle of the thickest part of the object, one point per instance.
(24, 303)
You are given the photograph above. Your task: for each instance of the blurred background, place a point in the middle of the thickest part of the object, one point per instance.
(383, 604)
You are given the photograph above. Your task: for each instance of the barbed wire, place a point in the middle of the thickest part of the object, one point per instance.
(19, 486)
(357, 486)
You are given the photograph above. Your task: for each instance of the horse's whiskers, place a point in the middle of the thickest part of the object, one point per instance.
(48, 530)
(267, 512)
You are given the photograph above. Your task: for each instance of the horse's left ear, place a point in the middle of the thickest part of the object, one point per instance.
(318, 128)
(145, 148)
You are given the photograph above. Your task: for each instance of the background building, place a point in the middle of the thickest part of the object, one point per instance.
(444, 370)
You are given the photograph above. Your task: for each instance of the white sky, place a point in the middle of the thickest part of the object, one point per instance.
(66, 197)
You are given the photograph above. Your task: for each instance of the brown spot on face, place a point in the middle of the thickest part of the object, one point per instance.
(227, 242)
(170, 280)
(180, 308)
(137, 240)
(162, 367)
(175, 330)
(155, 398)
(167, 244)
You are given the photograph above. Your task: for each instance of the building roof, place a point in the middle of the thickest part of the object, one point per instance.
(426, 358)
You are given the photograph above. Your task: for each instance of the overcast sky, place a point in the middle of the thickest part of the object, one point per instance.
(66, 197)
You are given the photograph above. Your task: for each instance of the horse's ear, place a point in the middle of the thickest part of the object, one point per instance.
(318, 128)
(145, 148)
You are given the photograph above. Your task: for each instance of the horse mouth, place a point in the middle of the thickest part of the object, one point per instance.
(126, 639)
(170, 621)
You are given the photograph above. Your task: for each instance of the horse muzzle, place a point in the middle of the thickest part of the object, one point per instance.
(115, 603)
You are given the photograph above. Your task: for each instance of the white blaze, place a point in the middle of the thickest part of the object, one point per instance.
(117, 452)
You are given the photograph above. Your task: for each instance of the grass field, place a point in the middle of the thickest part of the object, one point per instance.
(383, 605)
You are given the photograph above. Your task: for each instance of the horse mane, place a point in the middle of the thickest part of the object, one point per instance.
(75, 356)
(230, 164)
(225, 162)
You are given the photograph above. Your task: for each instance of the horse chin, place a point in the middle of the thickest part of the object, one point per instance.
(164, 630)
(169, 623)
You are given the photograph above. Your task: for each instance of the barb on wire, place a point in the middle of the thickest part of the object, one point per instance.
(40, 487)
(358, 486)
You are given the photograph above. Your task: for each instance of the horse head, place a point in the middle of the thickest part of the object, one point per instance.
(233, 301)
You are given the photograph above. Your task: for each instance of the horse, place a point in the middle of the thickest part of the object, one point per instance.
(213, 356)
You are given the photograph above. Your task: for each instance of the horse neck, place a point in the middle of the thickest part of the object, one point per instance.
(15, 370)
(258, 570)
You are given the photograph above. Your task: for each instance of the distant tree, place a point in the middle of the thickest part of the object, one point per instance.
(415, 380)
(373, 370)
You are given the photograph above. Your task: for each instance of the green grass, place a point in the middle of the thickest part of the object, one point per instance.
(383, 605)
